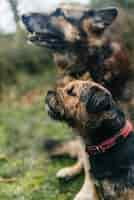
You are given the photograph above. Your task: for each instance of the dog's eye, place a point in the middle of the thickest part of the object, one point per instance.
(71, 92)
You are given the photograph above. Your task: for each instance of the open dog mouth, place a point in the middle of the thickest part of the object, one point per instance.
(59, 116)
(49, 40)
(44, 32)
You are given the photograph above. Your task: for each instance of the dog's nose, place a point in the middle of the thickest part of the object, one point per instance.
(50, 94)
(25, 18)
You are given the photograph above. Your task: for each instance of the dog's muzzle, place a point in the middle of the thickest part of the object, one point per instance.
(53, 107)
(49, 102)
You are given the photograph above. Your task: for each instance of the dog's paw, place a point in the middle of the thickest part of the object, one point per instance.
(86, 193)
(84, 196)
(65, 173)
(69, 172)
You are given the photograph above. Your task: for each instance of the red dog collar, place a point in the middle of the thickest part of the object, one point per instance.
(109, 143)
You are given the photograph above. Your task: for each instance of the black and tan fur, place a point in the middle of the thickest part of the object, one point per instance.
(81, 49)
(91, 111)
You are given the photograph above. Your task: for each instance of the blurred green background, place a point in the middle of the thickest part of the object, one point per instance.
(26, 73)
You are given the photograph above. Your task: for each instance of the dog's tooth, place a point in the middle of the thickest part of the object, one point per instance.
(34, 34)
(78, 37)
(29, 42)
(30, 35)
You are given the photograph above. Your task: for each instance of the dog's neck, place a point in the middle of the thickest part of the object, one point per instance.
(116, 163)
(97, 57)
(99, 54)
(107, 126)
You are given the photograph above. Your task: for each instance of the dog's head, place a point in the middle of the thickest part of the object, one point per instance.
(87, 107)
(72, 34)
(79, 102)
(54, 31)
(59, 30)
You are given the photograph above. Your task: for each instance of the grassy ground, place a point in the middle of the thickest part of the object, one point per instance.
(24, 126)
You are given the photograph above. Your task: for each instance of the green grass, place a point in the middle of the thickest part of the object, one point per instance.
(23, 130)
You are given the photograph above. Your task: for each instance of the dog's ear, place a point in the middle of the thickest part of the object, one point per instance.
(107, 16)
(98, 100)
(101, 18)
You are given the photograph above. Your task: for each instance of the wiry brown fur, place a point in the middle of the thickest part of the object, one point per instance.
(70, 103)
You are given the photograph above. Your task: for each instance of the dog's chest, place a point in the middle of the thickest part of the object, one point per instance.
(115, 172)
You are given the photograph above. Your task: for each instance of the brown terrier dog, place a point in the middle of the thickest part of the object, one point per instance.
(91, 111)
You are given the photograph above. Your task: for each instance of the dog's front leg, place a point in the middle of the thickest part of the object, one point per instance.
(88, 190)
(70, 148)
(73, 148)
(69, 172)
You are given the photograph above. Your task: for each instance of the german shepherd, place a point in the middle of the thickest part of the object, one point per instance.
(80, 48)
